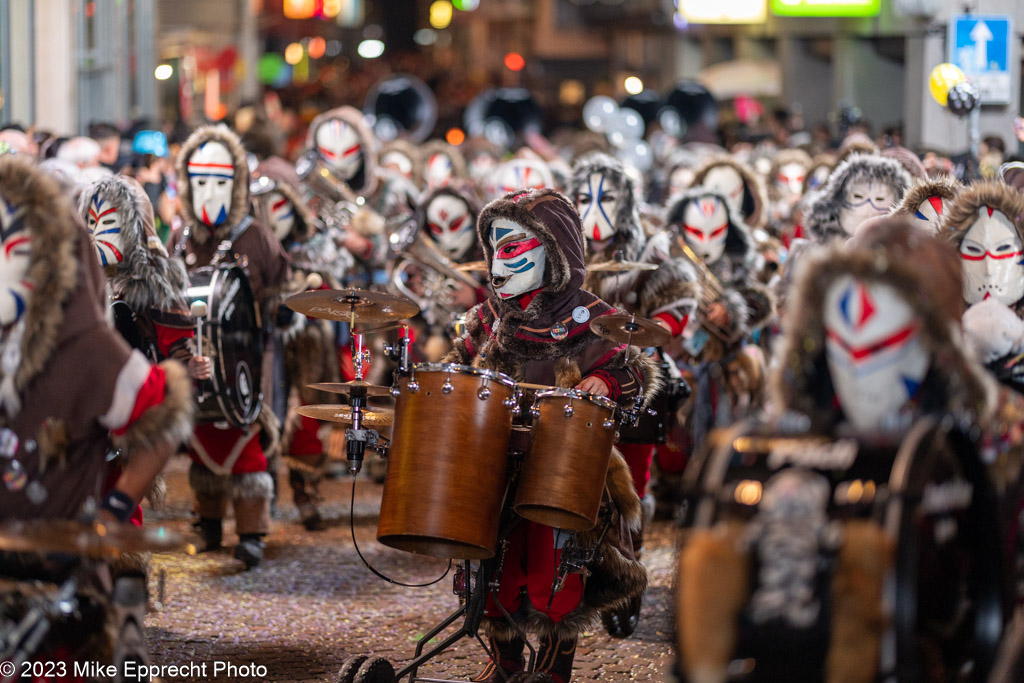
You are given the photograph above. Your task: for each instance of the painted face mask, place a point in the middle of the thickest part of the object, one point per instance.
(519, 259)
(727, 181)
(15, 252)
(451, 225)
(397, 162)
(598, 202)
(706, 227)
(864, 199)
(790, 180)
(282, 214)
(992, 260)
(338, 143)
(874, 350)
(104, 223)
(438, 171)
(211, 175)
(480, 168)
(680, 181)
(520, 174)
(929, 214)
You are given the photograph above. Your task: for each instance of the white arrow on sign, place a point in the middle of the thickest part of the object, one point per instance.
(981, 35)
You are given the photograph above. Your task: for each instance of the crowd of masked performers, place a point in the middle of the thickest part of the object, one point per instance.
(848, 296)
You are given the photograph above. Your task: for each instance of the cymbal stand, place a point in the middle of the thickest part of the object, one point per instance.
(358, 439)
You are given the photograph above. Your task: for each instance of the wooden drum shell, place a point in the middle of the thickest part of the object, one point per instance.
(446, 475)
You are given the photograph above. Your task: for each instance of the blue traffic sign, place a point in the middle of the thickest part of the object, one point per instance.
(980, 44)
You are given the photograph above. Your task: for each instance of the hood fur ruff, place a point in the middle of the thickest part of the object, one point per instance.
(801, 381)
(821, 219)
(754, 196)
(364, 183)
(783, 158)
(146, 278)
(427, 150)
(239, 191)
(740, 258)
(286, 181)
(629, 232)
(944, 186)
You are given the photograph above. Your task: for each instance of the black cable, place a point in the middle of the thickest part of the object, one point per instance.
(352, 528)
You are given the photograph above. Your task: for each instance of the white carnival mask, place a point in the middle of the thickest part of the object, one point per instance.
(480, 168)
(861, 200)
(598, 202)
(725, 180)
(790, 180)
(875, 354)
(451, 225)
(211, 176)
(991, 257)
(104, 224)
(398, 162)
(338, 143)
(517, 266)
(15, 254)
(282, 214)
(930, 213)
(680, 180)
(706, 227)
(438, 171)
(520, 174)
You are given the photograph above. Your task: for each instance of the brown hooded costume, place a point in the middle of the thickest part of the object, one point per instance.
(753, 203)
(940, 192)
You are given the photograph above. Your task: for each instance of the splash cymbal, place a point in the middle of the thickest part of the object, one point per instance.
(624, 328)
(346, 388)
(619, 266)
(96, 539)
(352, 305)
(375, 417)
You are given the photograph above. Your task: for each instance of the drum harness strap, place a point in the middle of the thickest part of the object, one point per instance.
(224, 248)
(233, 456)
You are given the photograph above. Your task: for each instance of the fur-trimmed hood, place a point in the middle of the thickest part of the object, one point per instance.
(927, 273)
(821, 219)
(740, 258)
(146, 278)
(239, 190)
(406, 149)
(629, 232)
(364, 183)
(429, 149)
(783, 158)
(821, 168)
(752, 206)
(461, 192)
(945, 187)
(284, 179)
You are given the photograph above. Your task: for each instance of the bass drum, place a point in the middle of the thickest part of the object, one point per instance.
(233, 340)
(787, 535)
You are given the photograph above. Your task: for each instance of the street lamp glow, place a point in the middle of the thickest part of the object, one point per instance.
(440, 14)
(293, 53)
(163, 72)
(633, 85)
(370, 49)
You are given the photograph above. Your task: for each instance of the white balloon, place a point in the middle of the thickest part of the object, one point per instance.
(629, 123)
(637, 154)
(598, 113)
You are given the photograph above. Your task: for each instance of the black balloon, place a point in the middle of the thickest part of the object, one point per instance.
(695, 104)
(501, 114)
(647, 103)
(401, 106)
(963, 98)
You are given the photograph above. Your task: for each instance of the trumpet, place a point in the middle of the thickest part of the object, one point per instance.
(440, 281)
(337, 203)
(710, 293)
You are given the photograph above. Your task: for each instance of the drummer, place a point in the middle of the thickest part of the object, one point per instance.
(535, 328)
(230, 464)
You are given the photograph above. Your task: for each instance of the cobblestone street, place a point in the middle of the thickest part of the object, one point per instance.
(313, 603)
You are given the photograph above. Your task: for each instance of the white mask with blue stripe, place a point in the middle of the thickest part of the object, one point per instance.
(211, 177)
(598, 202)
(519, 259)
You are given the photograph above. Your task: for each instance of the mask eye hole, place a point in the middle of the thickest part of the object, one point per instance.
(608, 198)
(973, 250)
(1002, 248)
(584, 199)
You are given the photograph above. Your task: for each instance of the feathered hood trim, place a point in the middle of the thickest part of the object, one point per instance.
(786, 157)
(927, 273)
(364, 183)
(946, 187)
(429, 149)
(239, 190)
(629, 231)
(754, 197)
(406, 149)
(739, 252)
(286, 181)
(821, 219)
(146, 278)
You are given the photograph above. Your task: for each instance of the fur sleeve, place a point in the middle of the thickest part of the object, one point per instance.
(169, 421)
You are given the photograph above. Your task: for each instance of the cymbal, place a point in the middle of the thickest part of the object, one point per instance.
(619, 266)
(352, 305)
(330, 412)
(374, 329)
(95, 540)
(346, 388)
(629, 329)
(472, 267)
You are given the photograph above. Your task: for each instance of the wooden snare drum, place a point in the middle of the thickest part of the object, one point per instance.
(446, 471)
(564, 472)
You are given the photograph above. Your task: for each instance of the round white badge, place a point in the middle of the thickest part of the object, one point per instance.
(581, 314)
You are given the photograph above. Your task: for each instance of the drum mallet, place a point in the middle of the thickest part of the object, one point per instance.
(198, 309)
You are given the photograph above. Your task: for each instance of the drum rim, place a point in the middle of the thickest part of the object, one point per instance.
(458, 368)
(602, 401)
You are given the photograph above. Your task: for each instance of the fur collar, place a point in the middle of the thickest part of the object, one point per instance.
(239, 191)
(754, 197)
(365, 182)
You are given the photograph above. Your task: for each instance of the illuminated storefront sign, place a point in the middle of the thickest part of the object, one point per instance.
(723, 11)
(826, 8)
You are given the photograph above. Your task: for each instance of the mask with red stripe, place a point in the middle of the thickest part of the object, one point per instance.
(104, 223)
(598, 202)
(789, 181)
(874, 350)
(519, 259)
(706, 227)
(282, 214)
(451, 225)
(438, 171)
(211, 177)
(15, 254)
(929, 214)
(338, 143)
(992, 260)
